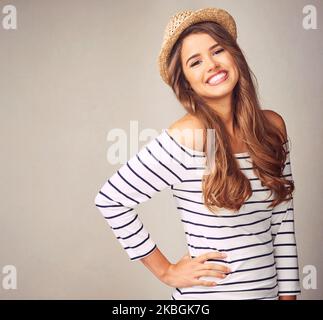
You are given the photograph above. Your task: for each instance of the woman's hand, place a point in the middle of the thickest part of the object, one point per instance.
(187, 271)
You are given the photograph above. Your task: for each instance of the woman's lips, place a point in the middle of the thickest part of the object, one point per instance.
(219, 80)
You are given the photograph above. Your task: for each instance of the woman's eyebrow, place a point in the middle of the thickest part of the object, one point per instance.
(197, 54)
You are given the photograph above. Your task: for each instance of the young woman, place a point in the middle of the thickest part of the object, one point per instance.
(233, 183)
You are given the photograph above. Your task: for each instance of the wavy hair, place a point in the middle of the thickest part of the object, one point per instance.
(225, 186)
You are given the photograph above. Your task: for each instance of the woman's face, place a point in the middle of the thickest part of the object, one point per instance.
(210, 59)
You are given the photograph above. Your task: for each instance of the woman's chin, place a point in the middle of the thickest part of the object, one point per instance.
(217, 94)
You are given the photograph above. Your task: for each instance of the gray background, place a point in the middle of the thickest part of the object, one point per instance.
(74, 70)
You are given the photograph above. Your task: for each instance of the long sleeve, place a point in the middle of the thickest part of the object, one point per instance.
(285, 249)
(151, 170)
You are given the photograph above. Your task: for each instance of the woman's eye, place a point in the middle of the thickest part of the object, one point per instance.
(217, 52)
(194, 64)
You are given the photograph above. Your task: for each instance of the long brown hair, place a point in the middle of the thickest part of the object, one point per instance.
(226, 186)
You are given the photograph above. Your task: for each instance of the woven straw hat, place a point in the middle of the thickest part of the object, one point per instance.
(183, 19)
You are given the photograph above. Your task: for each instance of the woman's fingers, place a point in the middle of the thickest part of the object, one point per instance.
(217, 267)
(204, 283)
(210, 273)
(188, 270)
(210, 255)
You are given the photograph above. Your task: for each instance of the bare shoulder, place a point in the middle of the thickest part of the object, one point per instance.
(277, 120)
(188, 131)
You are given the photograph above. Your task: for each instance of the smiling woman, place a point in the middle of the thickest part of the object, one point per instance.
(206, 70)
(233, 193)
(215, 78)
(227, 104)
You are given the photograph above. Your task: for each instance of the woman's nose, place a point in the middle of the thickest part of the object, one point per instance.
(212, 64)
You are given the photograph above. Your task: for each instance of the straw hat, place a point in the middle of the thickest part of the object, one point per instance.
(183, 19)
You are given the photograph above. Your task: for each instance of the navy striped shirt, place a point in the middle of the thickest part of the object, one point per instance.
(259, 242)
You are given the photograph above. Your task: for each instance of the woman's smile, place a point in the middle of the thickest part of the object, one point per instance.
(218, 78)
(213, 73)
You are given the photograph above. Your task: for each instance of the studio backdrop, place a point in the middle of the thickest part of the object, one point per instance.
(76, 75)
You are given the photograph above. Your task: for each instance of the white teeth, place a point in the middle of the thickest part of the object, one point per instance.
(217, 77)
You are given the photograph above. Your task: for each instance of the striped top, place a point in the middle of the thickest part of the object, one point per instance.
(259, 242)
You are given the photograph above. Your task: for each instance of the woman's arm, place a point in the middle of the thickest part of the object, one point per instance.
(151, 170)
(285, 249)
(157, 263)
